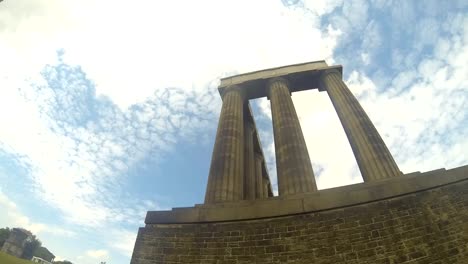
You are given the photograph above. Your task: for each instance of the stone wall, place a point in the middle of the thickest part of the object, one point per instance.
(425, 227)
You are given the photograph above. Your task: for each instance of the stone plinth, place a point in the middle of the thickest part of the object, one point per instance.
(415, 218)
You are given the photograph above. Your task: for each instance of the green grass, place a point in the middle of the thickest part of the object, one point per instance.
(9, 259)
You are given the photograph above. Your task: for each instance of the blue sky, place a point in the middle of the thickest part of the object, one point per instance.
(109, 108)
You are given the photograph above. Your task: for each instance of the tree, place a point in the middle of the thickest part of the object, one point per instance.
(63, 262)
(31, 245)
(4, 234)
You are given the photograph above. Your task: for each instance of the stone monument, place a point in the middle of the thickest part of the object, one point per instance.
(389, 218)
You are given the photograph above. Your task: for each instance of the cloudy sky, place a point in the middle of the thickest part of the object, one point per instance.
(109, 108)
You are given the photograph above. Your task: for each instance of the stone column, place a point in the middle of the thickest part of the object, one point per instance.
(265, 180)
(295, 174)
(265, 189)
(372, 156)
(258, 176)
(249, 162)
(227, 162)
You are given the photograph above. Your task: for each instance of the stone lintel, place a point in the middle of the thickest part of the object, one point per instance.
(304, 76)
(309, 202)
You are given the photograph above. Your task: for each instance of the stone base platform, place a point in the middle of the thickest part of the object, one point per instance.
(415, 218)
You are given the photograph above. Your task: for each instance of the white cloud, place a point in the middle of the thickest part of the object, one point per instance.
(372, 39)
(328, 148)
(322, 7)
(124, 241)
(149, 48)
(94, 256)
(427, 31)
(73, 154)
(424, 125)
(140, 49)
(82, 165)
(356, 13)
(402, 81)
(365, 58)
(402, 14)
(381, 3)
(13, 217)
(100, 254)
(419, 115)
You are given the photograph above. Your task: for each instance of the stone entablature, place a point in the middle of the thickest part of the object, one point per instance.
(302, 76)
(310, 202)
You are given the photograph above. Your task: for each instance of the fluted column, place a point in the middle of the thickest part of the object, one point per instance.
(227, 162)
(294, 169)
(249, 162)
(372, 155)
(258, 176)
(265, 189)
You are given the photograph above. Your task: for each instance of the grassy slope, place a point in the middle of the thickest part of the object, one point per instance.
(8, 259)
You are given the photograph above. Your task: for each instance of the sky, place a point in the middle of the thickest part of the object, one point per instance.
(109, 109)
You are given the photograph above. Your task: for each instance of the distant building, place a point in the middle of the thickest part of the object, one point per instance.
(40, 260)
(14, 245)
(44, 254)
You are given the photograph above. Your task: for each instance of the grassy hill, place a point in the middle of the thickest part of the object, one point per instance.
(8, 259)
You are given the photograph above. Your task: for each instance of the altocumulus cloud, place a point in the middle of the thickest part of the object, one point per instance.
(78, 145)
(77, 148)
(132, 85)
(410, 80)
(127, 87)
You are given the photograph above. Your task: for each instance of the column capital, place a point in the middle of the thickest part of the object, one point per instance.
(234, 88)
(271, 81)
(322, 86)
